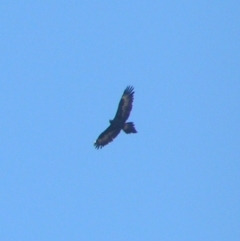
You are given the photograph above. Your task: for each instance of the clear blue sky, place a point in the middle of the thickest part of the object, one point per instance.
(63, 68)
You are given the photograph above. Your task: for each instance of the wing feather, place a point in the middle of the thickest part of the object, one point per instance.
(125, 104)
(107, 136)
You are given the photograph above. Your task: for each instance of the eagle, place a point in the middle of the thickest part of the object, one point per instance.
(119, 122)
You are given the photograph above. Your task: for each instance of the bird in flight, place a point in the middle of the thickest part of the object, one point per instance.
(119, 122)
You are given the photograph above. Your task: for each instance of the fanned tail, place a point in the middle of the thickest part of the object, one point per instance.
(129, 128)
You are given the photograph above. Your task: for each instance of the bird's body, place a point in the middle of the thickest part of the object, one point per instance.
(119, 122)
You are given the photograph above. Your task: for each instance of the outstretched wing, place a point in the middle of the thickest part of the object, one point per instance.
(107, 136)
(125, 104)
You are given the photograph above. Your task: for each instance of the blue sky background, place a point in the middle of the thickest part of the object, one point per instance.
(64, 66)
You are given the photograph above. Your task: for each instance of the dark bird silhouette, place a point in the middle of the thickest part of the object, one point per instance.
(119, 122)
